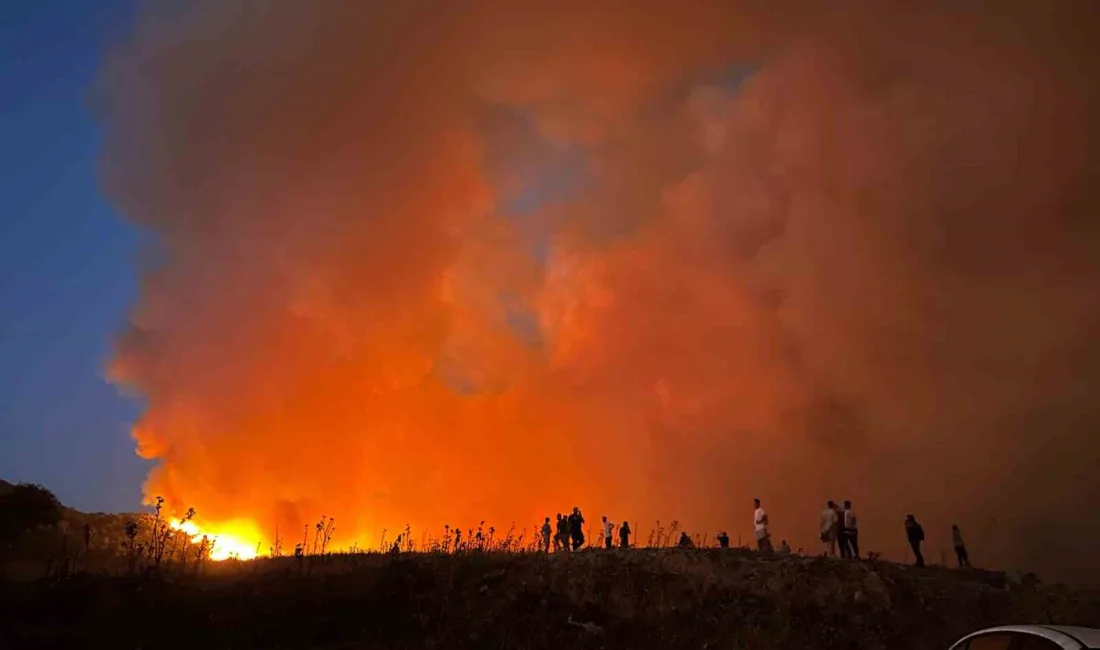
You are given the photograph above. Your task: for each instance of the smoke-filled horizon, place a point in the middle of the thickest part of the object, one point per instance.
(437, 263)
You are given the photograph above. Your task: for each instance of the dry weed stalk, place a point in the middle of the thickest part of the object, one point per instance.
(673, 530)
(277, 546)
(133, 549)
(327, 530)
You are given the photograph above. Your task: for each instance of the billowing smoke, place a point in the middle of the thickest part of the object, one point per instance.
(431, 263)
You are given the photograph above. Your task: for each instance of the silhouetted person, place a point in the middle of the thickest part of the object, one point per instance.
(608, 532)
(851, 530)
(723, 540)
(576, 528)
(960, 546)
(546, 530)
(685, 541)
(828, 529)
(624, 535)
(915, 533)
(561, 539)
(760, 528)
(784, 548)
(841, 532)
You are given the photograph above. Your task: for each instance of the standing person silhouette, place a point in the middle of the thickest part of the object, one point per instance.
(828, 529)
(576, 528)
(760, 528)
(624, 535)
(851, 530)
(914, 532)
(960, 546)
(561, 539)
(546, 530)
(608, 532)
(841, 532)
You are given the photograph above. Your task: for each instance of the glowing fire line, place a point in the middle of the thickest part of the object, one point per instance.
(225, 545)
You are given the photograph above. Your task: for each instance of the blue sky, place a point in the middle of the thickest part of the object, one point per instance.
(67, 260)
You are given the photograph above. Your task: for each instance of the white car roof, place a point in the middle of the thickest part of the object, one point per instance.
(1088, 636)
(1069, 637)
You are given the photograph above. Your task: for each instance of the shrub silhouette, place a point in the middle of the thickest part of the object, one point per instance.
(26, 507)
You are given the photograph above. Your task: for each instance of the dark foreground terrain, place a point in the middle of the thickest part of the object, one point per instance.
(639, 599)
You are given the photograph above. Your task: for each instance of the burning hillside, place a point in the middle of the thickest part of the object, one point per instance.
(241, 542)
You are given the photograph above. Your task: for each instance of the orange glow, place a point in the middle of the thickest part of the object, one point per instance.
(237, 540)
(429, 263)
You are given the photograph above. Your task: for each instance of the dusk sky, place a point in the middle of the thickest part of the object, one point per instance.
(67, 260)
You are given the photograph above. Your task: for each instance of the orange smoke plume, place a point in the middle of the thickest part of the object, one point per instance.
(429, 263)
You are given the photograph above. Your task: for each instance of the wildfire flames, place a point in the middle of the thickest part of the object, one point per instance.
(239, 542)
(427, 263)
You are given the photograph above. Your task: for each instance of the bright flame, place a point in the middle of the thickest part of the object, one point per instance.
(237, 540)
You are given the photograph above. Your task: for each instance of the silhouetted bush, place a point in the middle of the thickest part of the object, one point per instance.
(26, 507)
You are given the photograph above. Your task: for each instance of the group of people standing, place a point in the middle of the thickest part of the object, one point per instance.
(914, 532)
(569, 535)
(839, 529)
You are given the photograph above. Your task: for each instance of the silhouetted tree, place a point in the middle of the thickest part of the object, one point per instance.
(25, 508)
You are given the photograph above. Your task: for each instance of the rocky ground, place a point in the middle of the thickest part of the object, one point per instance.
(663, 598)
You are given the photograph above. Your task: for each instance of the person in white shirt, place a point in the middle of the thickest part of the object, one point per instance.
(608, 529)
(760, 526)
(829, 520)
(851, 530)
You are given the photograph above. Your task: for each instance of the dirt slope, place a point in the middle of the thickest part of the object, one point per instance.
(595, 599)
